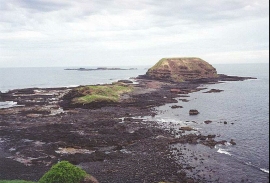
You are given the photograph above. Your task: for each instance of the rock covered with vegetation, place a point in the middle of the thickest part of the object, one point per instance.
(181, 69)
(66, 172)
(95, 95)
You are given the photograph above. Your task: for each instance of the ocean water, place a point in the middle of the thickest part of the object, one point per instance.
(17, 78)
(244, 105)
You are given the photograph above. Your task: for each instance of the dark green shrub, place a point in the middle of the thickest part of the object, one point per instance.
(63, 172)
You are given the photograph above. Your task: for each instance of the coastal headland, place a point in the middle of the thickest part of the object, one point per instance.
(103, 128)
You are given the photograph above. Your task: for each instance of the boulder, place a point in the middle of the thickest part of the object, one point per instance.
(181, 69)
(176, 106)
(193, 112)
(207, 121)
(232, 142)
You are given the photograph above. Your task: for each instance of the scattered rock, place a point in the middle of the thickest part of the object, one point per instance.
(125, 81)
(176, 106)
(207, 121)
(214, 91)
(184, 96)
(193, 112)
(184, 100)
(211, 136)
(232, 142)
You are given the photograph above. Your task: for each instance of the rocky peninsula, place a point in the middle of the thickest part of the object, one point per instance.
(109, 138)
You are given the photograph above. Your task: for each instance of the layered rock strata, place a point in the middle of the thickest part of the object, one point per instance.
(181, 69)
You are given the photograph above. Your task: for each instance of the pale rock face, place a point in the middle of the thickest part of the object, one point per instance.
(181, 69)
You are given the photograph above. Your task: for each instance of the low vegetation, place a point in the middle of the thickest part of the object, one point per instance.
(101, 93)
(63, 172)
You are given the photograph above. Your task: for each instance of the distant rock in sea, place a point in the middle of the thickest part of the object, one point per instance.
(181, 69)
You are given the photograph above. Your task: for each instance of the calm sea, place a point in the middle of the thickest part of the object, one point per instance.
(244, 105)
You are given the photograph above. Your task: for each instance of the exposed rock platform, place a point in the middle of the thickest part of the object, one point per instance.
(111, 141)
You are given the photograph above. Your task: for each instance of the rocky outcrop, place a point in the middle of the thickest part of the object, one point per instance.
(181, 69)
(193, 112)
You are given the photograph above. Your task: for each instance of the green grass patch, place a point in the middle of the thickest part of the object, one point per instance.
(101, 93)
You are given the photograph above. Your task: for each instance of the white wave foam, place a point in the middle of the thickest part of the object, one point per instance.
(223, 151)
(72, 86)
(264, 170)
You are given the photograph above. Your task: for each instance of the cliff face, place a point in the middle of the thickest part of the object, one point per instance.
(181, 69)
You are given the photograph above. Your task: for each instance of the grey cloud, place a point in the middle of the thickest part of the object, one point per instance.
(42, 5)
(209, 11)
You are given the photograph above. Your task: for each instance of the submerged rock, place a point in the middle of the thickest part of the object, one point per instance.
(181, 69)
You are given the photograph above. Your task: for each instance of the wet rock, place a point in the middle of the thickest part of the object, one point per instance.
(232, 142)
(128, 119)
(214, 91)
(176, 106)
(207, 121)
(125, 81)
(193, 112)
(211, 136)
(184, 96)
(184, 100)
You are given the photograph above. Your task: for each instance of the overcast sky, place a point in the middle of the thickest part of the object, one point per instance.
(125, 33)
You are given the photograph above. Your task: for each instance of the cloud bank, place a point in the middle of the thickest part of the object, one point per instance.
(119, 32)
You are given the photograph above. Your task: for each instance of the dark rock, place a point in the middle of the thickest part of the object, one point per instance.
(207, 121)
(176, 106)
(214, 91)
(232, 142)
(184, 100)
(211, 136)
(125, 81)
(193, 112)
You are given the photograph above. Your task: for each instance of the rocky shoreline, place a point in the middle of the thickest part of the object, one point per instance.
(111, 141)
